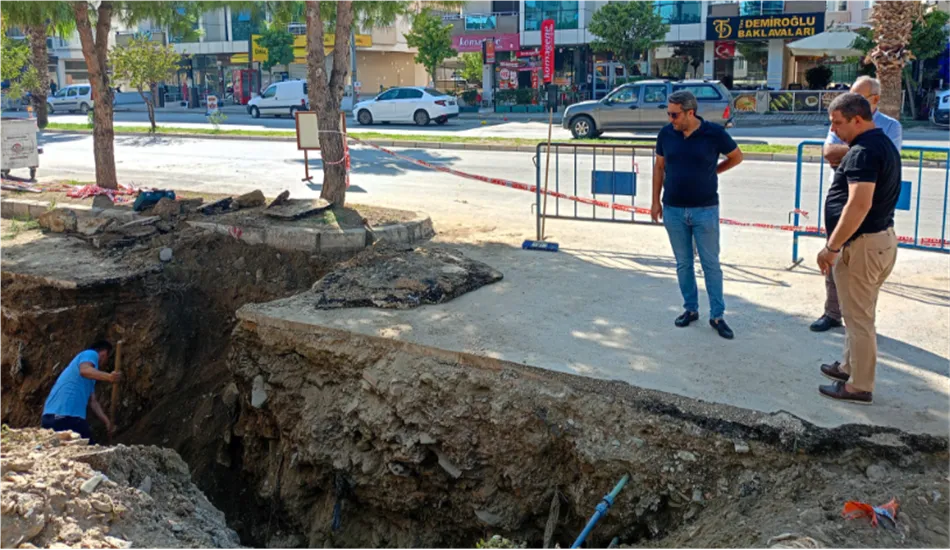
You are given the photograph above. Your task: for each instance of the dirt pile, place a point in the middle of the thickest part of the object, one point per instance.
(58, 491)
(402, 278)
(363, 441)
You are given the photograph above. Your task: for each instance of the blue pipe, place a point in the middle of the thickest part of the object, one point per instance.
(601, 511)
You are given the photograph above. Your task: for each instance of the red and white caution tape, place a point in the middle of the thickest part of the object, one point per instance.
(930, 242)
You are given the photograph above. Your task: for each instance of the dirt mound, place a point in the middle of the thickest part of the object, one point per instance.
(402, 279)
(59, 491)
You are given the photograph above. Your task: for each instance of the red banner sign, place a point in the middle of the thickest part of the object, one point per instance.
(725, 49)
(547, 49)
(473, 42)
(488, 56)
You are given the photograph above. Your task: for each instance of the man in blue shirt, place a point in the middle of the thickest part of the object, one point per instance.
(835, 150)
(687, 171)
(74, 390)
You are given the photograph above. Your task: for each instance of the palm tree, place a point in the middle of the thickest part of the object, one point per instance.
(892, 22)
(39, 20)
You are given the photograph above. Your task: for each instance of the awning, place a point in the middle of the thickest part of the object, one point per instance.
(832, 43)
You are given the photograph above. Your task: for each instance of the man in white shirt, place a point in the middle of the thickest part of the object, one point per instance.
(835, 150)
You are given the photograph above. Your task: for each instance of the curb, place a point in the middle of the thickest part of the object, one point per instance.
(771, 157)
(305, 239)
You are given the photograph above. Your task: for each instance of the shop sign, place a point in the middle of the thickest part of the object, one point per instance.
(509, 64)
(488, 52)
(530, 53)
(547, 49)
(534, 79)
(765, 27)
(259, 53)
(725, 49)
(473, 42)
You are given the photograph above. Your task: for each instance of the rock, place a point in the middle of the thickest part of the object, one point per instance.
(297, 208)
(71, 533)
(615, 442)
(216, 207)
(876, 472)
(102, 201)
(58, 221)
(91, 225)
(489, 518)
(637, 442)
(146, 485)
(138, 231)
(447, 465)
(426, 439)
(103, 505)
(812, 516)
(685, 456)
(145, 220)
(165, 254)
(240, 264)
(190, 205)
(281, 199)
(258, 392)
(177, 528)
(935, 496)
(166, 208)
(90, 484)
(742, 447)
(230, 396)
(16, 465)
(259, 274)
(164, 227)
(251, 200)
(117, 542)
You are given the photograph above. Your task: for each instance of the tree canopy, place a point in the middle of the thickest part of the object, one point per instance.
(280, 46)
(433, 39)
(628, 29)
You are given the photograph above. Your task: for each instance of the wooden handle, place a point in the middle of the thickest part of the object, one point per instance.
(115, 386)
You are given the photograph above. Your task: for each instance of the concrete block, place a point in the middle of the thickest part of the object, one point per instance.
(395, 234)
(35, 209)
(349, 240)
(292, 238)
(785, 157)
(252, 235)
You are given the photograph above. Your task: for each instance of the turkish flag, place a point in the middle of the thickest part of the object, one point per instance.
(725, 49)
(547, 49)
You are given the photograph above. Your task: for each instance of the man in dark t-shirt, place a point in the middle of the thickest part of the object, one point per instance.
(686, 170)
(862, 246)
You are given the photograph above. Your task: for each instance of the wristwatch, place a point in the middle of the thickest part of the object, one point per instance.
(832, 250)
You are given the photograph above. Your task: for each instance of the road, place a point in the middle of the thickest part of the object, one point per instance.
(535, 128)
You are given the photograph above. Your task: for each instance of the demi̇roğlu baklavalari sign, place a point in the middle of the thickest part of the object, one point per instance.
(765, 27)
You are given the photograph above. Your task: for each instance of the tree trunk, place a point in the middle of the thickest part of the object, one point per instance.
(150, 107)
(327, 94)
(95, 51)
(890, 104)
(911, 98)
(37, 34)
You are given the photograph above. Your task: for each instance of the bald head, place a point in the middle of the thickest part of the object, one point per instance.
(870, 88)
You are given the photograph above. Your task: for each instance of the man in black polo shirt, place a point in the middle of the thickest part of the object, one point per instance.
(686, 169)
(862, 245)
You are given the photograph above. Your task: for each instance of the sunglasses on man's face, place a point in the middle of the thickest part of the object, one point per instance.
(673, 115)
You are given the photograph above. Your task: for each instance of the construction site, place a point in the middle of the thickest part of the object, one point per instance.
(331, 381)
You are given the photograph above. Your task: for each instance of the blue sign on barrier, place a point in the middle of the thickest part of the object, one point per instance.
(903, 201)
(614, 183)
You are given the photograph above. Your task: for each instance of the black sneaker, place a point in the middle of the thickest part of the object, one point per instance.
(686, 318)
(722, 328)
(824, 323)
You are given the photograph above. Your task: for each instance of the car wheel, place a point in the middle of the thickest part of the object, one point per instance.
(84, 108)
(421, 118)
(364, 117)
(255, 112)
(582, 127)
(293, 110)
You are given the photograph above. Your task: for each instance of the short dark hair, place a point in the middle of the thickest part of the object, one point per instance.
(101, 345)
(685, 99)
(851, 105)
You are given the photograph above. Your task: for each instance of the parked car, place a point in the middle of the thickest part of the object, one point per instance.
(77, 97)
(418, 105)
(642, 105)
(940, 112)
(280, 98)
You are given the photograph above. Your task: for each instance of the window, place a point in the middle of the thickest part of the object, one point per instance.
(701, 91)
(269, 92)
(435, 93)
(761, 7)
(480, 22)
(655, 94)
(564, 14)
(626, 95)
(410, 93)
(73, 92)
(679, 13)
(837, 5)
(61, 93)
(388, 94)
(505, 7)
(243, 25)
(84, 90)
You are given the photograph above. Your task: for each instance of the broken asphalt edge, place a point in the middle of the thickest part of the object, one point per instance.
(306, 239)
(778, 428)
(781, 157)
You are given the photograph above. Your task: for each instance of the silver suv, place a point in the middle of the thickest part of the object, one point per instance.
(642, 105)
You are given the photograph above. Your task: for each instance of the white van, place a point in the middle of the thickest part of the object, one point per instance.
(77, 97)
(280, 98)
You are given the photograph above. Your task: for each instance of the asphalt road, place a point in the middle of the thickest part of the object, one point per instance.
(535, 128)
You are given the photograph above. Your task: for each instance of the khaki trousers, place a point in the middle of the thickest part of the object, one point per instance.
(862, 268)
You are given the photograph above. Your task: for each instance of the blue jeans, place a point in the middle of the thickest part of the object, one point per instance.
(68, 423)
(700, 225)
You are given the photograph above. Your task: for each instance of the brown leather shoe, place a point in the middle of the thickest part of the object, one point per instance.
(834, 372)
(838, 392)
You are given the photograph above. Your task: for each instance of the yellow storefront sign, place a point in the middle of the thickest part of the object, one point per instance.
(259, 53)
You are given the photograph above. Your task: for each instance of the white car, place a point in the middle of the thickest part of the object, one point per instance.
(77, 97)
(418, 105)
(280, 98)
(940, 112)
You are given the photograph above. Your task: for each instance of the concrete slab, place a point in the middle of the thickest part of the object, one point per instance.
(609, 315)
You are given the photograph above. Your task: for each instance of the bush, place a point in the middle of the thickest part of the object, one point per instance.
(526, 96)
(470, 97)
(505, 97)
(818, 77)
